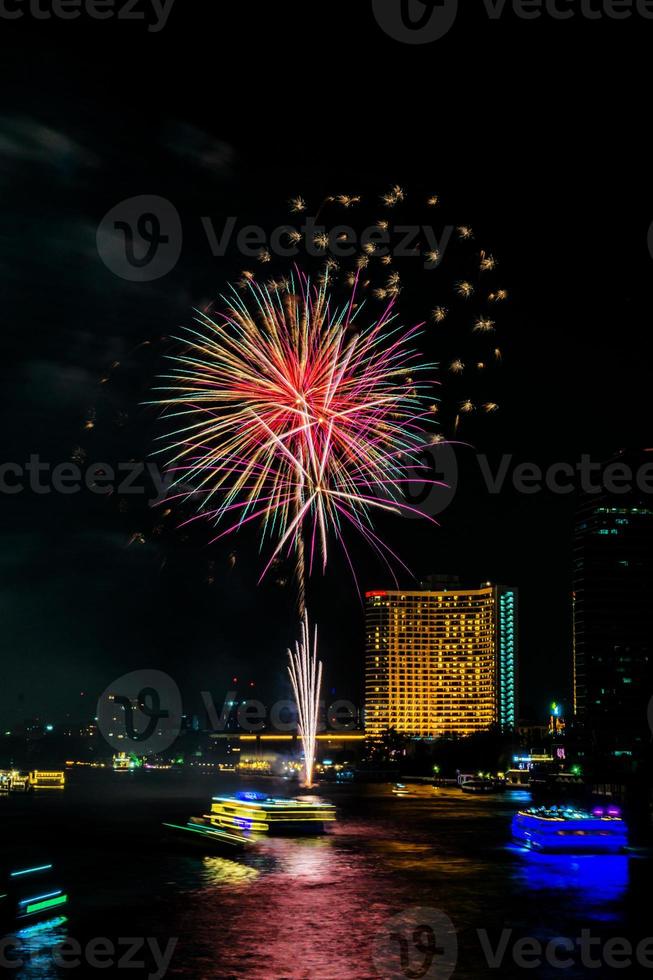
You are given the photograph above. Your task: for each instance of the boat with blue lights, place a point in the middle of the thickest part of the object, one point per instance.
(568, 829)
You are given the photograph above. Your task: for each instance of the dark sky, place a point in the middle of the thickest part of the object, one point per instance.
(535, 133)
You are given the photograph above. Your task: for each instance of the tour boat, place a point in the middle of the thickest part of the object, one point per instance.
(42, 779)
(601, 830)
(482, 785)
(238, 820)
(257, 813)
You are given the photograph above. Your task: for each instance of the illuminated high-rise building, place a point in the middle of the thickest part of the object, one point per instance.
(613, 636)
(441, 661)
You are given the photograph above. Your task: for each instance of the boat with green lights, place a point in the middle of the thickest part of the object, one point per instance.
(198, 832)
(28, 894)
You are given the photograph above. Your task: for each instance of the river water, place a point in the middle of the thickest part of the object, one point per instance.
(435, 879)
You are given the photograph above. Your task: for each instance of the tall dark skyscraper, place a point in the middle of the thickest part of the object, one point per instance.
(613, 618)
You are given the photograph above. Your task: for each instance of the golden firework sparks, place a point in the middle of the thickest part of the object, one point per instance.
(440, 314)
(484, 324)
(464, 289)
(488, 262)
(394, 195)
(347, 200)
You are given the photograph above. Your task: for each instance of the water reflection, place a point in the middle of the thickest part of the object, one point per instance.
(221, 871)
(35, 946)
(311, 907)
(594, 882)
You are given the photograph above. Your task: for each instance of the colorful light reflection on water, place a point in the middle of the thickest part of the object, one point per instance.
(598, 882)
(311, 908)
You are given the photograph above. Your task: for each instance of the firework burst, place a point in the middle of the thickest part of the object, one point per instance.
(297, 414)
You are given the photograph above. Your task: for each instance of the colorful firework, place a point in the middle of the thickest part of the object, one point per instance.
(296, 414)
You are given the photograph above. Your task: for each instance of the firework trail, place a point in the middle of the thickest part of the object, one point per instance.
(306, 677)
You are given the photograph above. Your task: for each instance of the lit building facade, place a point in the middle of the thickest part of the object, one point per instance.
(613, 636)
(441, 662)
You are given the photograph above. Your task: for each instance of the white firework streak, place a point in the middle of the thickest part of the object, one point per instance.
(306, 677)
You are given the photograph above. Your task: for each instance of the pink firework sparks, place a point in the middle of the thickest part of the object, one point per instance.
(297, 414)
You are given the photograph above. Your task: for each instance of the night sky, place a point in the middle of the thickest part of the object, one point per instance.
(534, 133)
